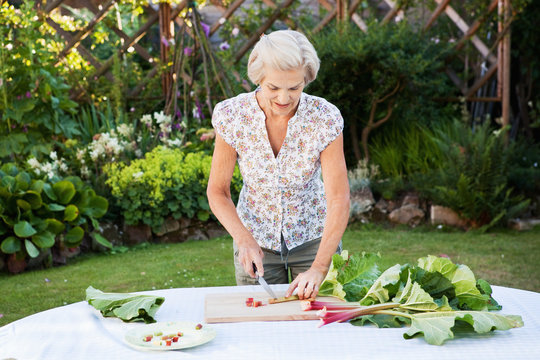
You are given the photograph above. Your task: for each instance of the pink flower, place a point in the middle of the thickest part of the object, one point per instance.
(28, 94)
(188, 51)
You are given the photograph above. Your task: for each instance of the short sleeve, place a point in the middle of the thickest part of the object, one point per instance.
(331, 125)
(223, 121)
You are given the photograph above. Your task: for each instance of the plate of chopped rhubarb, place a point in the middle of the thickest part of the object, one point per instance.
(169, 335)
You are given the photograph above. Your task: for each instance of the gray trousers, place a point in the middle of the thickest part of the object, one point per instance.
(278, 265)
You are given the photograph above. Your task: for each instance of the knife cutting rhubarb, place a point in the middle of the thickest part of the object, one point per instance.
(263, 283)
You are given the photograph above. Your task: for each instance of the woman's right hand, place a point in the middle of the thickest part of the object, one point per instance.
(249, 253)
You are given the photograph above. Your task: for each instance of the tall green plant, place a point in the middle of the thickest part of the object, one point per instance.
(472, 178)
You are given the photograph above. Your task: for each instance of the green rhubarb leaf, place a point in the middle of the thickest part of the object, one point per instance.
(381, 321)
(384, 287)
(463, 280)
(415, 298)
(437, 326)
(128, 307)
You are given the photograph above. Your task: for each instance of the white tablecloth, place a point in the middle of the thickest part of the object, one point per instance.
(78, 331)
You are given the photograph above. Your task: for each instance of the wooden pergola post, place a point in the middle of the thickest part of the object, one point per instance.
(166, 34)
(342, 14)
(504, 61)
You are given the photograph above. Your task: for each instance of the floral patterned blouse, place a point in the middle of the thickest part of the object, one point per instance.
(283, 194)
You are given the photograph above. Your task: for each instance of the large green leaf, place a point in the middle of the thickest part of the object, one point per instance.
(71, 212)
(33, 198)
(56, 207)
(31, 248)
(23, 229)
(44, 240)
(64, 191)
(37, 186)
(97, 207)
(24, 205)
(101, 240)
(23, 180)
(55, 226)
(74, 236)
(437, 326)
(128, 307)
(48, 190)
(10, 245)
(380, 292)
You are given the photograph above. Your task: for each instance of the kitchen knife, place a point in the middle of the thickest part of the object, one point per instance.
(263, 283)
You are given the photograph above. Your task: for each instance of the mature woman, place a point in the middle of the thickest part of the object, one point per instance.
(286, 219)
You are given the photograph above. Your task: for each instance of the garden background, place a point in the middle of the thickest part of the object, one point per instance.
(106, 140)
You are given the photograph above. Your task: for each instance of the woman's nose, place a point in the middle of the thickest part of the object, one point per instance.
(283, 97)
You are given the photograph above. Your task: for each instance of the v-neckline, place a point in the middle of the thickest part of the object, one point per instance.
(265, 130)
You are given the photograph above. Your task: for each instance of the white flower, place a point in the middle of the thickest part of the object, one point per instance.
(196, 113)
(137, 175)
(48, 169)
(235, 32)
(9, 46)
(54, 156)
(63, 167)
(80, 154)
(174, 143)
(85, 172)
(94, 154)
(125, 130)
(147, 119)
(161, 118)
(222, 20)
(138, 153)
(34, 164)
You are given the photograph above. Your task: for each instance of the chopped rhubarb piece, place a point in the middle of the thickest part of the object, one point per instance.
(306, 305)
(180, 334)
(175, 339)
(148, 338)
(168, 342)
(198, 327)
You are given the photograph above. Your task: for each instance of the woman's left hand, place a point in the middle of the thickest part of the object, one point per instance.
(307, 283)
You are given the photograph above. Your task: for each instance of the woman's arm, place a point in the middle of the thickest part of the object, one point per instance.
(336, 186)
(220, 201)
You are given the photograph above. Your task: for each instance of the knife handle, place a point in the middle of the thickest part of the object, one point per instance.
(254, 268)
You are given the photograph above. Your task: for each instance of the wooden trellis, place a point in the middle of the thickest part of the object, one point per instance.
(497, 56)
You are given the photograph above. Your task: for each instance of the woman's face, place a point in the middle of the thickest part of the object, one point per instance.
(280, 91)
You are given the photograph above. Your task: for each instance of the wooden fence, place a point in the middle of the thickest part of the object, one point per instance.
(495, 54)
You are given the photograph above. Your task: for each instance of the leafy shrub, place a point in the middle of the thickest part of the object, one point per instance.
(34, 95)
(167, 182)
(359, 69)
(472, 178)
(37, 214)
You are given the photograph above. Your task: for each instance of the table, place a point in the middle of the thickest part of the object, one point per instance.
(78, 331)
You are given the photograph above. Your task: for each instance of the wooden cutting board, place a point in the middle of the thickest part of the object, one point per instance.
(231, 307)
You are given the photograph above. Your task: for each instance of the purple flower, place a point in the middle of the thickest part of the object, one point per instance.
(19, 97)
(199, 109)
(164, 41)
(178, 114)
(178, 126)
(188, 51)
(1, 316)
(224, 46)
(206, 29)
(47, 280)
(28, 94)
(132, 109)
(25, 129)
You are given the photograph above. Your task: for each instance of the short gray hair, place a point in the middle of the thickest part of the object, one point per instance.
(283, 50)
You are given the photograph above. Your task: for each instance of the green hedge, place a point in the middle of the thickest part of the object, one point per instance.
(166, 183)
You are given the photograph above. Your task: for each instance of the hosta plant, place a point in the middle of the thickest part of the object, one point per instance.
(36, 214)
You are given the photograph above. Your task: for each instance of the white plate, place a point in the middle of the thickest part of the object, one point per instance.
(191, 336)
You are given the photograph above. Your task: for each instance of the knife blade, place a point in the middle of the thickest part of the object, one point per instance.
(263, 283)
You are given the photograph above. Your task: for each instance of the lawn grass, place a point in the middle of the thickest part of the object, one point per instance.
(505, 258)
